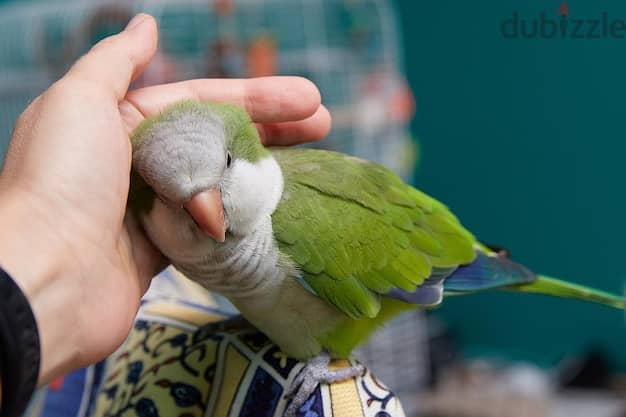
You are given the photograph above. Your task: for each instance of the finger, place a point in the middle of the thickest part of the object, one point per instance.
(266, 99)
(311, 129)
(115, 61)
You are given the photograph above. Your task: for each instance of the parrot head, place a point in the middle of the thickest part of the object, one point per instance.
(208, 175)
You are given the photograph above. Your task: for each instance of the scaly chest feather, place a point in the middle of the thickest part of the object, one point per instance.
(263, 285)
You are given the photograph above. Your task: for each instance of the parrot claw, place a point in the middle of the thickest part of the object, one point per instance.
(316, 372)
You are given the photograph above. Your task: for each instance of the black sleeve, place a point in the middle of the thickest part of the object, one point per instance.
(19, 348)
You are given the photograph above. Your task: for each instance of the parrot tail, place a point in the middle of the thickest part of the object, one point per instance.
(499, 272)
(558, 288)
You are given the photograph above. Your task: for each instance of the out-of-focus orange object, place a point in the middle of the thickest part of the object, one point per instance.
(224, 7)
(262, 56)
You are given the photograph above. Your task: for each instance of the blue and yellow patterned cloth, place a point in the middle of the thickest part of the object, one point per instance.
(186, 357)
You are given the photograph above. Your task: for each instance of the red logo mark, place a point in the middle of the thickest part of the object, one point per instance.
(563, 9)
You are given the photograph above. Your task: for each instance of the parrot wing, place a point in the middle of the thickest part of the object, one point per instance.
(357, 231)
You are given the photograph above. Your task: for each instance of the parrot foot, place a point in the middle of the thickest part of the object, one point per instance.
(316, 372)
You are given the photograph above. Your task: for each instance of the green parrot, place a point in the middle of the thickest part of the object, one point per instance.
(315, 248)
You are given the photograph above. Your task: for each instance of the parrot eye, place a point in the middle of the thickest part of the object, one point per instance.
(228, 160)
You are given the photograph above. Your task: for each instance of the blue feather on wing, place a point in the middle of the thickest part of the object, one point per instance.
(483, 273)
(428, 294)
(487, 272)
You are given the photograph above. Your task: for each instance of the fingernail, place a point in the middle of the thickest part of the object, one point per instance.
(136, 21)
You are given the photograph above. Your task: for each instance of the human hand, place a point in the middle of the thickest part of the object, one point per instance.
(64, 185)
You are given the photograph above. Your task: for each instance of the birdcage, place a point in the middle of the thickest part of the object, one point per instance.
(349, 48)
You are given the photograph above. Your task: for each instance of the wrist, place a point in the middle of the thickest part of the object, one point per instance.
(37, 260)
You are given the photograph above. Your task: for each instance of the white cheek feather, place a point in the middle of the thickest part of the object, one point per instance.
(251, 193)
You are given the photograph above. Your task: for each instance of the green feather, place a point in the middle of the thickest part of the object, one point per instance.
(350, 333)
(455, 251)
(558, 288)
(354, 227)
(244, 142)
(425, 242)
(376, 281)
(399, 196)
(357, 300)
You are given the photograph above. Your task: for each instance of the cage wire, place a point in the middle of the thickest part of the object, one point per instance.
(350, 49)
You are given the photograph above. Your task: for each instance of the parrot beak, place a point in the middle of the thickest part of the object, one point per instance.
(207, 210)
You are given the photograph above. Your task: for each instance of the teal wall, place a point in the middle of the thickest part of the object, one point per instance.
(526, 140)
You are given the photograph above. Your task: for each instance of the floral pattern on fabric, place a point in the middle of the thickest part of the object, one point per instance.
(221, 369)
(160, 371)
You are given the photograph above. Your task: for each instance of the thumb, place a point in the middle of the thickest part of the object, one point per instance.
(115, 61)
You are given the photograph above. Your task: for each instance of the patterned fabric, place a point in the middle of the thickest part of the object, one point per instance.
(190, 360)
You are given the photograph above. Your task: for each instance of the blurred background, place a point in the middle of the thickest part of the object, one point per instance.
(522, 138)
